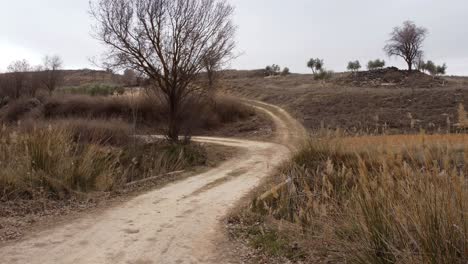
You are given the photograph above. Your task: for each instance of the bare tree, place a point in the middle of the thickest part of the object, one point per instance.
(51, 72)
(406, 42)
(20, 70)
(215, 60)
(166, 40)
(129, 77)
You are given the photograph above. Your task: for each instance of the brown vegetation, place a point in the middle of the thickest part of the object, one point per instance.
(391, 199)
(360, 108)
(141, 111)
(169, 42)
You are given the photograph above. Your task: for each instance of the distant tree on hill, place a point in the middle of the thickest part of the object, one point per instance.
(375, 64)
(406, 42)
(354, 66)
(20, 71)
(272, 70)
(323, 75)
(285, 71)
(419, 62)
(441, 69)
(129, 77)
(430, 67)
(434, 69)
(315, 65)
(51, 72)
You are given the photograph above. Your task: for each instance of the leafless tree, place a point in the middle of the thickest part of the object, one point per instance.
(20, 71)
(406, 42)
(168, 41)
(217, 58)
(129, 77)
(51, 72)
(36, 81)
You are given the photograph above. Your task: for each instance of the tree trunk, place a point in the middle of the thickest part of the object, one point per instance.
(173, 131)
(174, 124)
(410, 65)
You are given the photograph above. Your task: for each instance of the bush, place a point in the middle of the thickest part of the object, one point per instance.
(272, 70)
(200, 114)
(85, 131)
(316, 65)
(95, 90)
(323, 75)
(370, 200)
(62, 161)
(285, 71)
(15, 110)
(433, 69)
(48, 162)
(354, 66)
(375, 64)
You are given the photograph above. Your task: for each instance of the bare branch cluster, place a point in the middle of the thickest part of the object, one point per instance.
(169, 41)
(406, 42)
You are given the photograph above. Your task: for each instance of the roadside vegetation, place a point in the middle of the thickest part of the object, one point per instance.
(68, 159)
(385, 199)
(94, 90)
(363, 193)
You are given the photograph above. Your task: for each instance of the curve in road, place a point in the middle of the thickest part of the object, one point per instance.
(178, 223)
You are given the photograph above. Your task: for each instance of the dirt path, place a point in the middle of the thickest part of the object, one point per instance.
(176, 224)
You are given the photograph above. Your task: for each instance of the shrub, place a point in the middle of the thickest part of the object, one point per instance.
(272, 70)
(323, 75)
(441, 69)
(61, 161)
(285, 71)
(47, 161)
(139, 111)
(15, 110)
(375, 64)
(354, 66)
(316, 65)
(434, 69)
(370, 200)
(95, 90)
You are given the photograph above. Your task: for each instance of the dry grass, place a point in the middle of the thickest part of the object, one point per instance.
(146, 113)
(356, 110)
(47, 162)
(388, 199)
(462, 117)
(70, 158)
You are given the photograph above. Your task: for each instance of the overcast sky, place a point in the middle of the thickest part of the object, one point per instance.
(285, 32)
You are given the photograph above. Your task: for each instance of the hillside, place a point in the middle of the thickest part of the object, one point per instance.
(86, 76)
(364, 103)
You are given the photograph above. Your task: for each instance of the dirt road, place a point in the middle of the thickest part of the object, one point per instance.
(179, 223)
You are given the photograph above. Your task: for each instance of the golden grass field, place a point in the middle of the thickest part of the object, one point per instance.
(368, 199)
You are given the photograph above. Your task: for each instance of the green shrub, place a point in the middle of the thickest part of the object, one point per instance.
(95, 90)
(323, 75)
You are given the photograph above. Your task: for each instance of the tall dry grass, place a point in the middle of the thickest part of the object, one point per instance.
(462, 117)
(199, 115)
(48, 162)
(69, 158)
(398, 199)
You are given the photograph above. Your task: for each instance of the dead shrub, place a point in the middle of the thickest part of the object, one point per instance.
(378, 199)
(70, 158)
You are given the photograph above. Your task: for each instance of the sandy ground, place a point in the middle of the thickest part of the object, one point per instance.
(179, 223)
